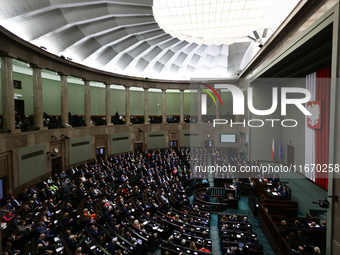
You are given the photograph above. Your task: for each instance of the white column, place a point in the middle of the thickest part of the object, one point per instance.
(37, 98)
(64, 100)
(146, 105)
(164, 106)
(127, 105)
(8, 109)
(182, 106)
(108, 104)
(199, 113)
(87, 103)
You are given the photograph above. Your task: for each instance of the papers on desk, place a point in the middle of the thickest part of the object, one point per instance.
(310, 225)
(269, 184)
(160, 230)
(275, 193)
(57, 211)
(145, 223)
(3, 225)
(56, 221)
(56, 239)
(59, 249)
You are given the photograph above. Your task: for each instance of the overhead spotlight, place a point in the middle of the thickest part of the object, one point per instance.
(256, 34)
(70, 59)
(55, 138)
(264, 34)
(257, 38)
(238, 72)
(62, 57)
(43, 48)
(51, 154)
(65, 137)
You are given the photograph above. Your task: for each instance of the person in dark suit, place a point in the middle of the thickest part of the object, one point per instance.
(111, 248)
(238, 189)
(245, 220)
(73, 243)
(68, 208)
(46, 244)
(95, 232)
(25, 195)
(126, 210)
(302, 237)
(284, 192)
(9, 250)
(279, 187)
(299, 251)
(274, 180)
(15, 202)
(128, 236)
(40, 229)
(206, 197)
(323, 225)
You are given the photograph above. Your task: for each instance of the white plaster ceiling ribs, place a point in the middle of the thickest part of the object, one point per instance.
(119, 36)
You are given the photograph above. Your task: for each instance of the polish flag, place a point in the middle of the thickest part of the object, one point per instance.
(273, 149)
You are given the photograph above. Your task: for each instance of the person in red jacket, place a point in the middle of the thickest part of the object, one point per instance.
(7, 217)
(204, 248)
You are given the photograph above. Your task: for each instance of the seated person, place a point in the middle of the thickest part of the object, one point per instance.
(206, 197)
(204, 248)
(87, 212)
(224, 227)
(300, 250)
(245, 220)
(284, 192)
(296, 224)
(8, 248)
(302, 237)
(279, 187)
(48, 233)
(274, 180)
(323, 225)
(184, 243)
(7, 217)
(67, 219)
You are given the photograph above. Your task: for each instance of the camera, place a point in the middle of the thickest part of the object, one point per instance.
(322, 203)
(325, 203)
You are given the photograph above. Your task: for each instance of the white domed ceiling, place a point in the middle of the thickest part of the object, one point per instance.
(190, 39)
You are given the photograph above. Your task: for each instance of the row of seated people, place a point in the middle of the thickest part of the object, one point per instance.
(219, 158)
(304, 235)
(237, 236)
(188, 220)
(237, 159)
(73, 187)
